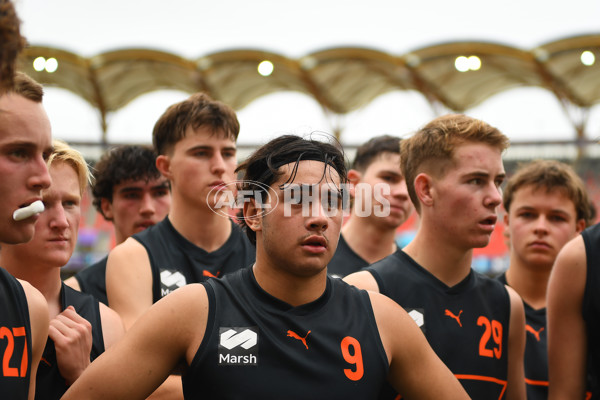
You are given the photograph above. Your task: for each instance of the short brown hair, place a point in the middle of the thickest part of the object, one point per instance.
(11, 43)
(26, 86)
(368, 152)
(197, 111)
(432, 148)
(550, 175)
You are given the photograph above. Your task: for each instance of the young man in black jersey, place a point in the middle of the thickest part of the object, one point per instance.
(130, 192)
(80, 327)
(25, 143)
(282, 328)
(195, 142)
(574, 319)
(546, 205)
(381, 204)
(453, 169)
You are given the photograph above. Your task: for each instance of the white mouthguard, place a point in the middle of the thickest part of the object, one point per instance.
(25, 212)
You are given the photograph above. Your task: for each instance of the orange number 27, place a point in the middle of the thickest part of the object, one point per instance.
(7, 370)
(354, 358)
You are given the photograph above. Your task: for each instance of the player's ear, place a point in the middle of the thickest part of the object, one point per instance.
(253, 215)
(580, 225)
(353, 178)
(106, 207)
(163, 164)
(424, 189)
(506, 221)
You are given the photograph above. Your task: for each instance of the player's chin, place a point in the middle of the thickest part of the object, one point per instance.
(311, 269)
(480, 241)
(21, 232)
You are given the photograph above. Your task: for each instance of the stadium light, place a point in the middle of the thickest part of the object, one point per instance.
(461, 64)
(588, 58)
(474, 63)
(39, 64)
(265, 68)
(50, 65)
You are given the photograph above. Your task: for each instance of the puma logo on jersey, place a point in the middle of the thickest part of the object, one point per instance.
(535, 333)
(171, 280)
(210, 274)
(296, 336)
(456, 317)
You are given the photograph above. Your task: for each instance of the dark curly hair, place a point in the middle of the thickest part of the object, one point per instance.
(121, 164)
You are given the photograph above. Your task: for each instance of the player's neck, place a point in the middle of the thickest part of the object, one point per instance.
(447, 263)
(204, 228)
(370, 242)
(529, 283)
(292, 289)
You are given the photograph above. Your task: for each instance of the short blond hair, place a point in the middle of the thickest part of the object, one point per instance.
(64, 153)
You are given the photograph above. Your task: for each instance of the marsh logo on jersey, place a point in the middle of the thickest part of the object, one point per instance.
(418, 315)
(238, 346)
(170, 280)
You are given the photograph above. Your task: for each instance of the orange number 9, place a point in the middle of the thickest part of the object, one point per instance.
(355, 358)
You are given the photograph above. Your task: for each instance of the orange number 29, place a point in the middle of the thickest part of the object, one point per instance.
(494, 330)
(354, 358)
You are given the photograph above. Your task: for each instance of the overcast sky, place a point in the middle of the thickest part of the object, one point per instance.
(295, 28)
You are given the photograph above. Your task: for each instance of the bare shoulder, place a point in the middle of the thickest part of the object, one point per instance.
(390, 317)
(516, 303)
(362, 280)
(129, 281)
(112, 325)
(569, 272)
(572, 255)
(130, 251)
(38, 315)
(72, 283)
(38, 307)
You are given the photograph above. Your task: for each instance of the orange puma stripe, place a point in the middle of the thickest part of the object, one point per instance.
(210, 274)
(296, 336)
(535, 333)
(456, 317)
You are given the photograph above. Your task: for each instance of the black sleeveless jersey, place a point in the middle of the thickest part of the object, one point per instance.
(591, 305)
(175, 261)
(259, 347)
(92, 280)
(467, 325)
(15, 339)
(536, 351)
(49, 383)
(345, 261)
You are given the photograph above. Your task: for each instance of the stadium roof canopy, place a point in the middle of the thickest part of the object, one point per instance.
(452, 76)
